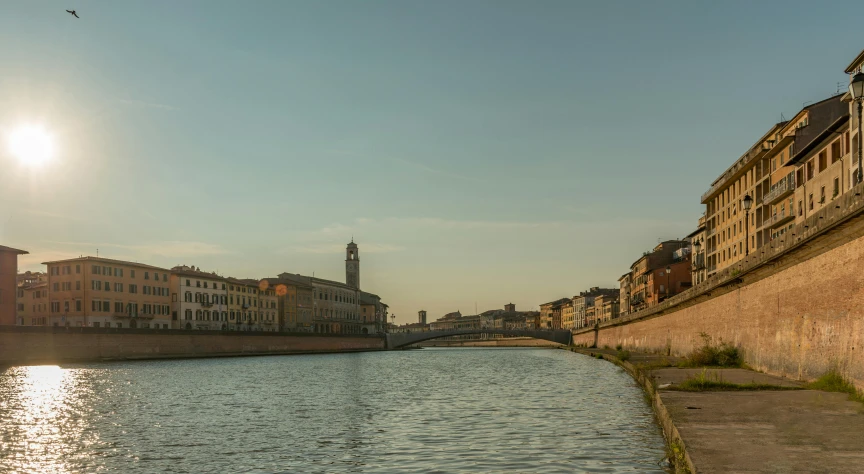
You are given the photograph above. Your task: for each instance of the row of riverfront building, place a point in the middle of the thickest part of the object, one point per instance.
(108, 293)
(795, 168)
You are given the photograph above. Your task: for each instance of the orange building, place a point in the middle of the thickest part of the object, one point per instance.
(101, 292)
(9, 284)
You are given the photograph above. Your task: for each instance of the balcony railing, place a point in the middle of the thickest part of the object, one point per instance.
(780, 189)
(780, 218)
(206, 303)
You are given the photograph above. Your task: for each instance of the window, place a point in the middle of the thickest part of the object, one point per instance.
(823, 161)
(811, 201)
(77, 268)
(77, 305)
(836, 188)
(131, 273)
(205, 285)
(822, 195)
(133, 288)
(188, 314)
(198, 283)
(119, 272)
(118, 287)
(146, 275)
(107, 286)
(835, 151)
(800, 208)
(164, 277)
(118, 307)
(77, 285)
(96, 270)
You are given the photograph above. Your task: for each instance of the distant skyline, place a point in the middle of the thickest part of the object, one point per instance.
(479, 152)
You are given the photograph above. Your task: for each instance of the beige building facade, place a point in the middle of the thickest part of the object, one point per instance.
(200, 299)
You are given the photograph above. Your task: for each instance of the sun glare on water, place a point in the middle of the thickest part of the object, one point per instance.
(31, 144)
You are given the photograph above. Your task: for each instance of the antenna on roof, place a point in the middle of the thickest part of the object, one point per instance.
(782, 118)
(97, 252)
(839, 87)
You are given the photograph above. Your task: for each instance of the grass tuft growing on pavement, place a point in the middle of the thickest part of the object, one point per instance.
(703, 382)
(722, 354)
(834, 382)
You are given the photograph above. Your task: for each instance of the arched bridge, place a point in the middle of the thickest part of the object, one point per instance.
(395, 340)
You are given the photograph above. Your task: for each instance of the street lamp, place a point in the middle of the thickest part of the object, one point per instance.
(696, 247)
(668, 272)
(856, 88)
(748, 203)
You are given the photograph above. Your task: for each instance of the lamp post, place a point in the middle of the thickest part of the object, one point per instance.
(696, 247)
(748, 203)
(856, 88)
(668, 272)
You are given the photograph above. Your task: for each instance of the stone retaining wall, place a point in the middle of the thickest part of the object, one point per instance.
(29, 345)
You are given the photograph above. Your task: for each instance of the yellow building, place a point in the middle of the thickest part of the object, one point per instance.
(33, 303)
(252, 305)
(725, 230)
(792, 171)
(568, 316)
(294, 306)
(240, 317)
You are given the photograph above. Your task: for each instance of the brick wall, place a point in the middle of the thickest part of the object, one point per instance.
(796, 309)
(23, 345)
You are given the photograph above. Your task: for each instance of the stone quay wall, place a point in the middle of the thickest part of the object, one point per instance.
(33, 345)
(795, 308)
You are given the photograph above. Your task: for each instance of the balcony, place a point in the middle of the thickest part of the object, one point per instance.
(780, 218)
(779, 190)
(245, 306)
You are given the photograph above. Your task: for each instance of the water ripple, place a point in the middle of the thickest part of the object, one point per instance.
(435, 410)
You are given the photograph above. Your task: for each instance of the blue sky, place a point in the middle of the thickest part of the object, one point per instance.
(478, 151)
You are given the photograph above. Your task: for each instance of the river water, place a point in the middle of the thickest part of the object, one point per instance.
(431, 410)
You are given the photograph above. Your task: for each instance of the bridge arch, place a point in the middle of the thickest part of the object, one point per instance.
(402, 339)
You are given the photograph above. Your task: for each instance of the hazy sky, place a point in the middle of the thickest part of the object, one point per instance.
(478, 151)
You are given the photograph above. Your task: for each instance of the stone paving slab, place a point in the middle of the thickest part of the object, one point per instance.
(675, 375)
(769, 431)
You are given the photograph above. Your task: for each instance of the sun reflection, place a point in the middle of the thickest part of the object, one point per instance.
(38, 410)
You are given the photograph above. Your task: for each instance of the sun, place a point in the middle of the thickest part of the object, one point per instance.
(31, 144)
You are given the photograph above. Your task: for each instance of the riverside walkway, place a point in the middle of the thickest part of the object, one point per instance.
(749, 431)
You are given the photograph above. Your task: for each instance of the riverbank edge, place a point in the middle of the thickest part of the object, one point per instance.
(157, 357)
(677, 451)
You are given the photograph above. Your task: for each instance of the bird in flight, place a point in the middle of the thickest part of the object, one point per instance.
(72, 12)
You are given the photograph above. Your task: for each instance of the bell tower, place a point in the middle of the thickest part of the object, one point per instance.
(352, 266)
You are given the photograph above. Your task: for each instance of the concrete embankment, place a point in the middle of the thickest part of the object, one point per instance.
(33, 345)
(779, 427)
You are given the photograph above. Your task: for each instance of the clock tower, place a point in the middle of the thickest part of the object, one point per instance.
(352, 266)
